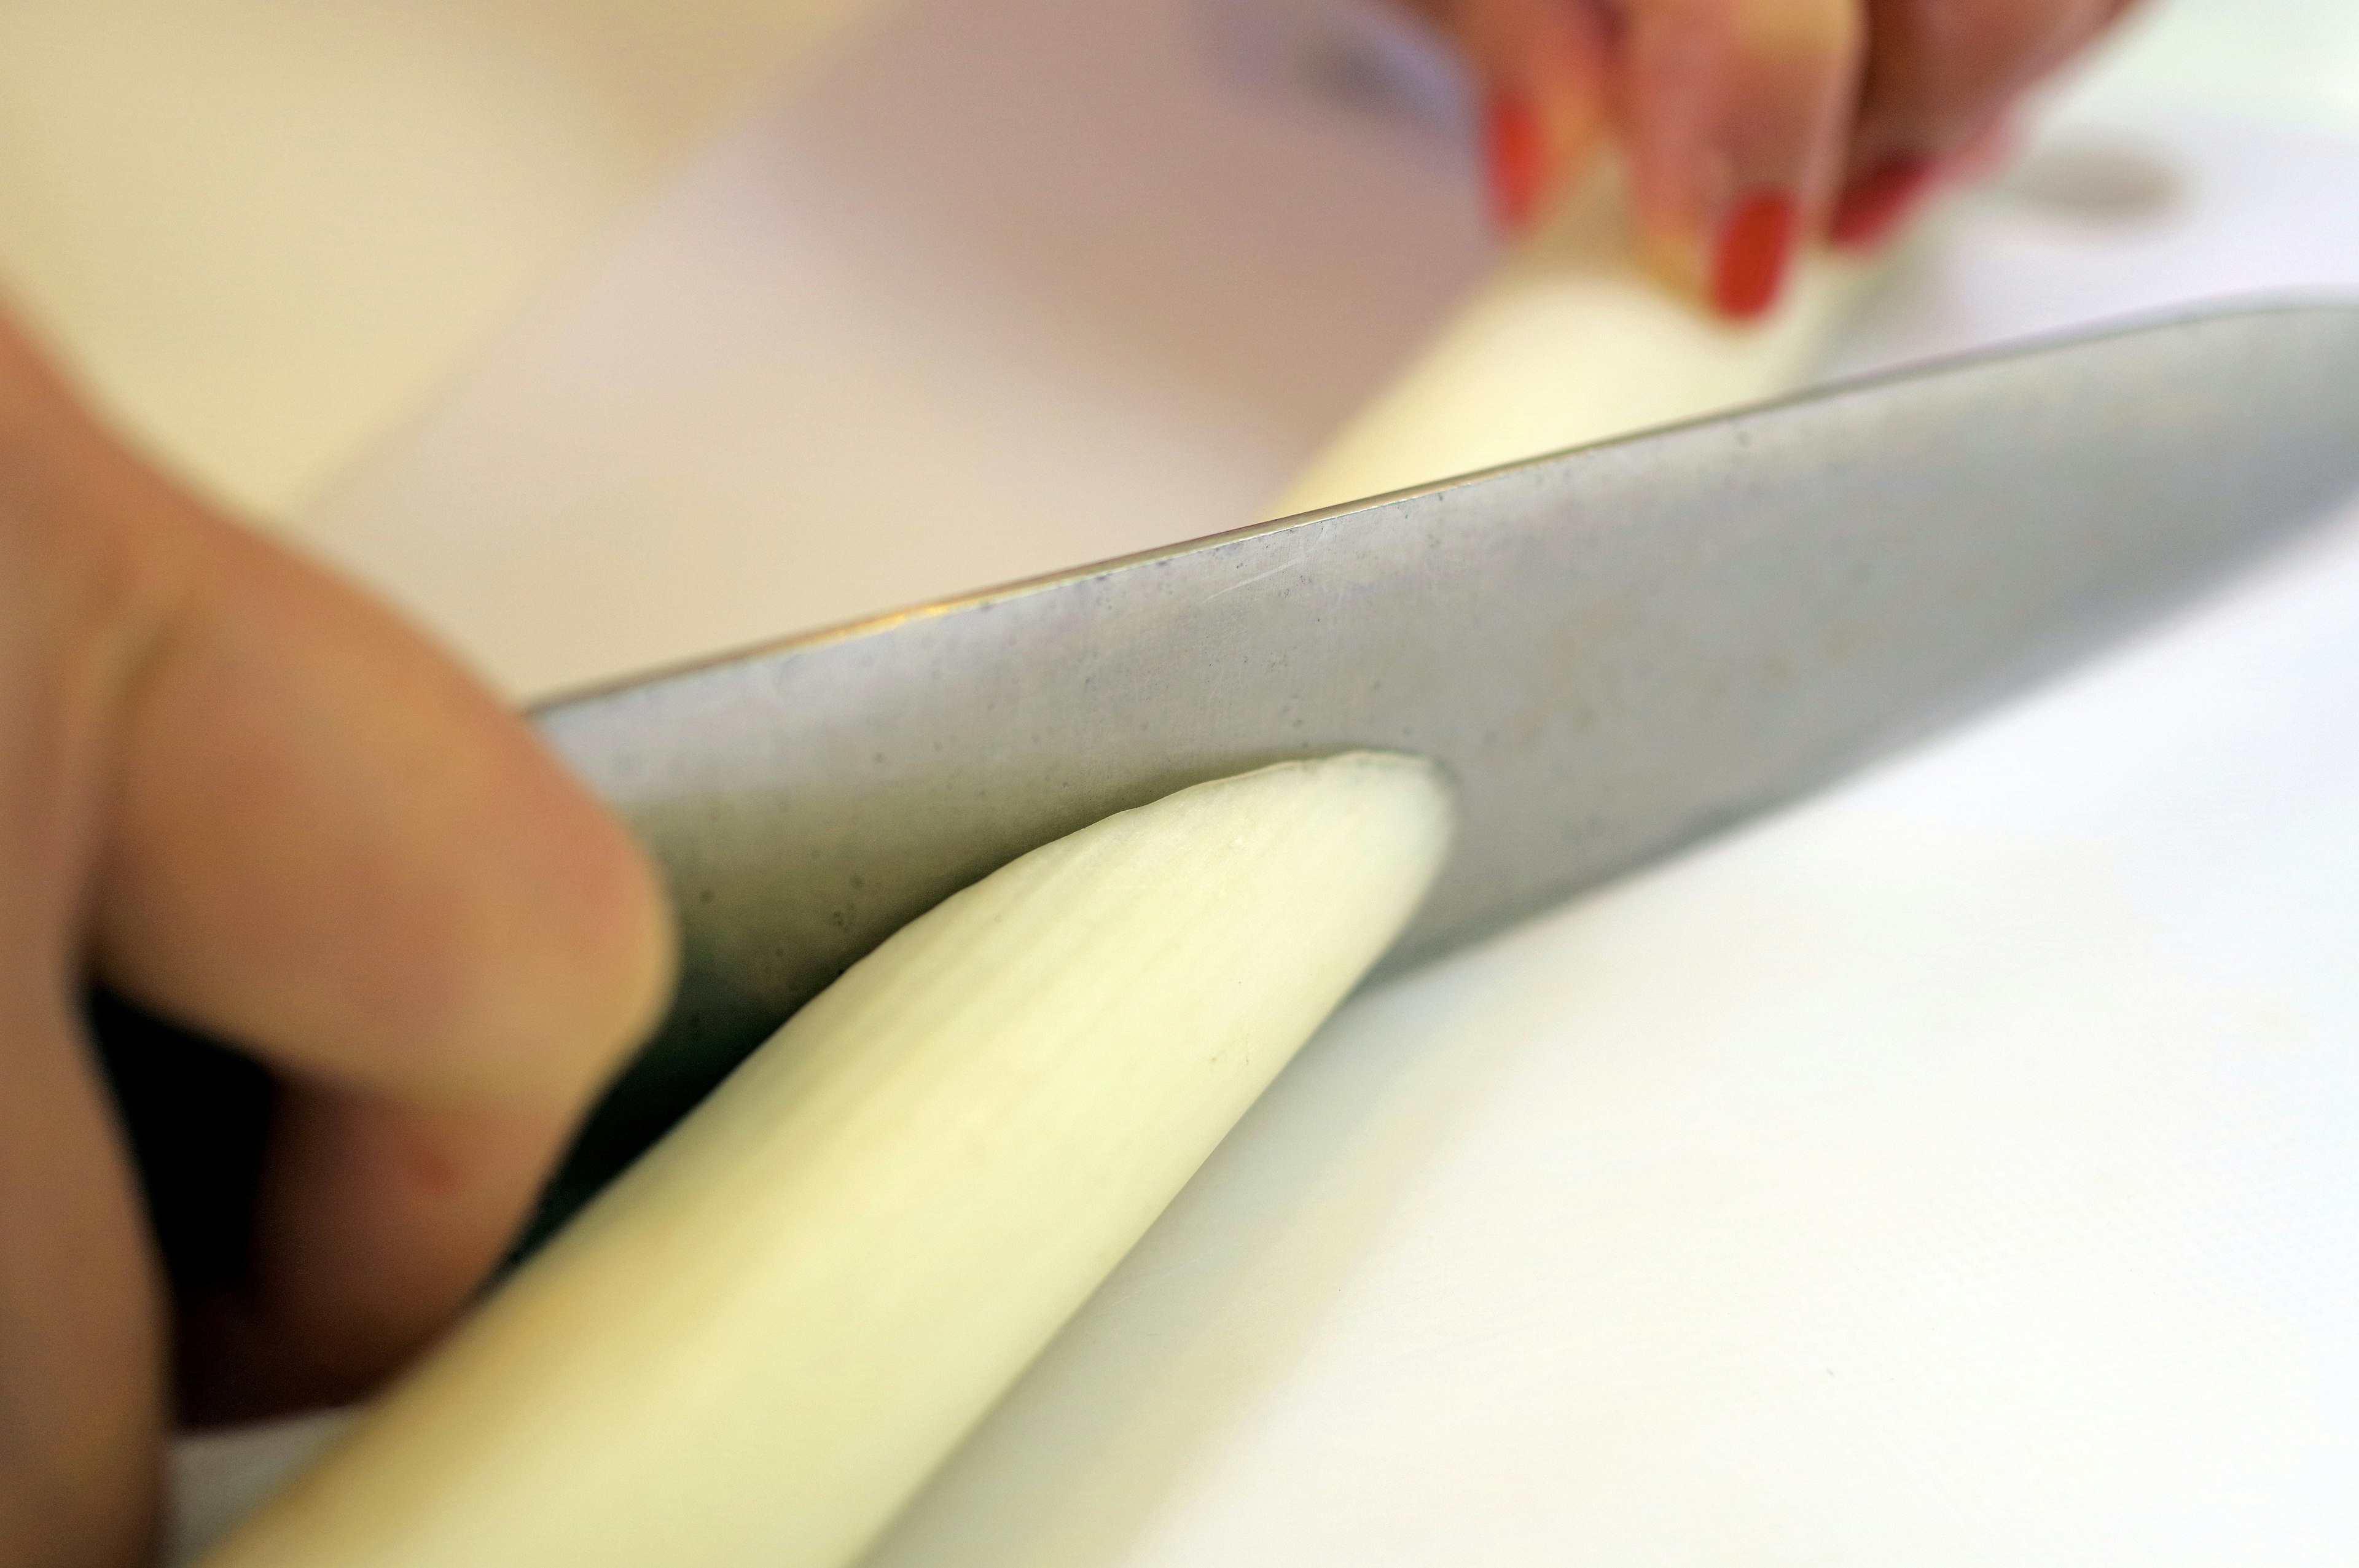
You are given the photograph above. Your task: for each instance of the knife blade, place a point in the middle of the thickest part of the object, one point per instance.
(1614, 651)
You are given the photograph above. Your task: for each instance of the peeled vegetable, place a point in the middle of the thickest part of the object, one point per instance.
(1572, 341)
(759, 1341)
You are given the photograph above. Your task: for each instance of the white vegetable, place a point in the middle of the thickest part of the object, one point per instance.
(756, 1344)
(1572, 341)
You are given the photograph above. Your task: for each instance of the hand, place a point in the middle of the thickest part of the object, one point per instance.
(1749, 124)
(251, 800)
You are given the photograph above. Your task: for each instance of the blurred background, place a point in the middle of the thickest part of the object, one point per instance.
(606, 332)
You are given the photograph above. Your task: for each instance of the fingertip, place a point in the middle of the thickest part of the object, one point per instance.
(610, 938)
(335, 848)
(1512, 160)
(1736, 110)
(540, 946)
(1739, 273)
(1755, 251)
(1544, 71)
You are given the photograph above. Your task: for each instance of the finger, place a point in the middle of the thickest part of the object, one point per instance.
(376, 1223)
(81, 1408)
(1734, 111)
(81, 1402)
(331, 847)
(315, 1239)
(1542, 73)
(1545, 67)
(1938, 75)
(325, 844)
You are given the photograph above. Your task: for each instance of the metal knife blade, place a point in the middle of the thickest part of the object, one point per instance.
(1614, 651)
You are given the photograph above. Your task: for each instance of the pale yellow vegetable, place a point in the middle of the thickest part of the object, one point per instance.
(1572, 341)
(754, 1346)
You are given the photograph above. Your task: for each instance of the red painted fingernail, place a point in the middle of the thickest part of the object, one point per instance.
(1511, 135)
(1755, 242)
(1874, 205)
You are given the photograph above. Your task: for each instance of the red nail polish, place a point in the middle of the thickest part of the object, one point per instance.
(1511, 135)
(1754, 245)
(1874, 203)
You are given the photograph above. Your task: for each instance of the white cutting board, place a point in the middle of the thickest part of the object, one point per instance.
(1958, 1168)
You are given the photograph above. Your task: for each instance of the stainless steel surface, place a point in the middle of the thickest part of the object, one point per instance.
(1613, 650)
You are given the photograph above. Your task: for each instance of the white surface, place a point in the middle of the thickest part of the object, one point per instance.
(1957, 1169)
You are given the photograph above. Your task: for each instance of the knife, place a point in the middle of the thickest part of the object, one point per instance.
(1614, 651)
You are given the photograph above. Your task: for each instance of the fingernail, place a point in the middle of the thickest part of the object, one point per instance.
(1874, 203)
(1749, 267)
(1513, 155)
